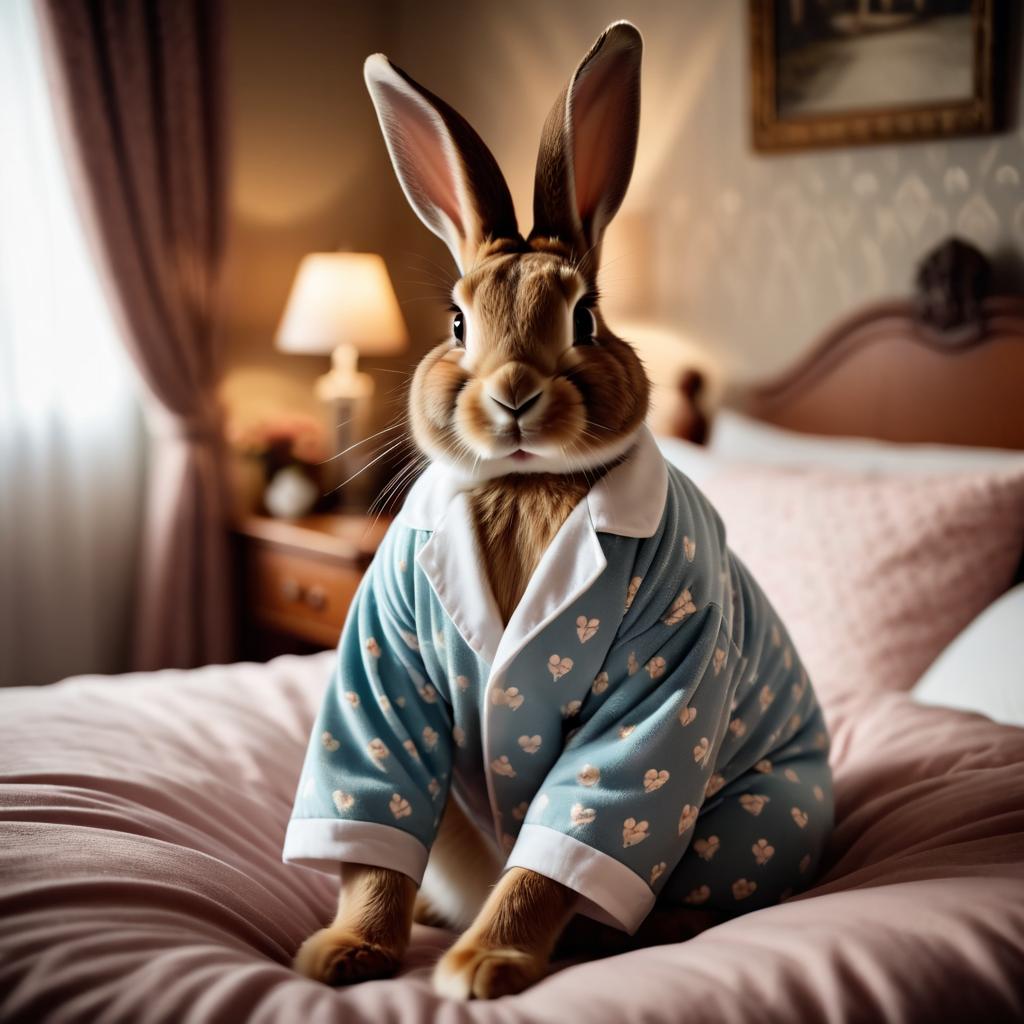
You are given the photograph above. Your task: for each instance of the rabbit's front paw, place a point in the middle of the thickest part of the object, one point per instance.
(339, 957)
(473, 971)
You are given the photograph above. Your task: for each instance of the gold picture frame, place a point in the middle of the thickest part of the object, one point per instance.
(809, 123)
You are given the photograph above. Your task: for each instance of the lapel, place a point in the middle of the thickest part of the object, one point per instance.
(451, 561)
(568, 568)
(546, 665)
(628, 502)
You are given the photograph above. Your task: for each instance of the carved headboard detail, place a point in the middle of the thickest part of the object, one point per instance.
(946, 367)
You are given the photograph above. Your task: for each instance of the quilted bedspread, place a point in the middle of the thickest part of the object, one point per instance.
(141, 821)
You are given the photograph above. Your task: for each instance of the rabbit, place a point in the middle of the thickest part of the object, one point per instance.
(532, 412)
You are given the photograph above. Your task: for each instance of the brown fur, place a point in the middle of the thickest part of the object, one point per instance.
(370, 931)
(533, 463)
(518, 304)
(461, 871)
(515, 519)
(507, 948)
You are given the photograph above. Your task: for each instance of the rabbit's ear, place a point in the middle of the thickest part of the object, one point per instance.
(448, 175)
(589, 143)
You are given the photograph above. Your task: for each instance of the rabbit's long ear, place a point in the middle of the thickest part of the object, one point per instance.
(589, 143)
(448, 175)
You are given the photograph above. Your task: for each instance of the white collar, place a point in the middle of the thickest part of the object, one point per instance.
(628, 500)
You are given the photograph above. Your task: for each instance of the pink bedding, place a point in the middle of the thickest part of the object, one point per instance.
(141, 820)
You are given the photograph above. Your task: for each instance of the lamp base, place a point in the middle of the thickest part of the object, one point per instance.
(343, 380)
(343, 479)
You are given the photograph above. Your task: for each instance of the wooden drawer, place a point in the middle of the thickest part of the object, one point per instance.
(300, 594)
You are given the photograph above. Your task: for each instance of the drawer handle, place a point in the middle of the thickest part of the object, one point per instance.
(316, 598)
(292, 590)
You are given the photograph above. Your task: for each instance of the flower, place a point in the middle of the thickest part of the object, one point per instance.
(281, 438)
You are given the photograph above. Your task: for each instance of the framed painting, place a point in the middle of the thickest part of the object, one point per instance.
(850, 72)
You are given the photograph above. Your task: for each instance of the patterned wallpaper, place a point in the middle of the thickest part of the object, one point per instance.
(749, 256)
(759, 253)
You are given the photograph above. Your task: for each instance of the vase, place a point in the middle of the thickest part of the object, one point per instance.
(290, 493)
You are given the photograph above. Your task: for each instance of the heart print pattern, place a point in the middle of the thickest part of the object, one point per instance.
(559, 666)
(634, 832)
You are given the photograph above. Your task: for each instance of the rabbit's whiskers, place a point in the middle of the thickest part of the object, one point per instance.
(365, 440)
(359, 472)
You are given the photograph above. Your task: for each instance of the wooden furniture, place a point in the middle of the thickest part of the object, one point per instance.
(297, 579)
(884, 374)
(944, 367)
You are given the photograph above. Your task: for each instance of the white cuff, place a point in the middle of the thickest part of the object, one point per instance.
(610, 892)
(324, 843)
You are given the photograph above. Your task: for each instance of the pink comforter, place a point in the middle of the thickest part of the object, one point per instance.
(141, 820)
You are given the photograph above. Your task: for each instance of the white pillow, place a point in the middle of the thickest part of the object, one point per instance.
(693, 459)
(738, 438)
(983, 668)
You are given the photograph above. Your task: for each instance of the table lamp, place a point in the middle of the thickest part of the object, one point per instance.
(342, 304)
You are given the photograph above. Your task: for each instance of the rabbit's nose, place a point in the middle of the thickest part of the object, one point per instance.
(514, 389)
(517, 410)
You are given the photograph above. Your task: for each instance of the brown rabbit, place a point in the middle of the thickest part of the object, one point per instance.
(535, 411)
(534, 395)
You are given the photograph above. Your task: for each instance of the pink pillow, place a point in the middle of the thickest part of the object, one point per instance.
(873, 575)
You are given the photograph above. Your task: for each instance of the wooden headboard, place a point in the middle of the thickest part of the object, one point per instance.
(946, 367)
(882, 373)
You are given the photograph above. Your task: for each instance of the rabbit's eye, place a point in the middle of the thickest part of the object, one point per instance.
(584, 325)
(459, 328)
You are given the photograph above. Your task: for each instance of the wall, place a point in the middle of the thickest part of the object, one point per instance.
(747, 257)
(304, 162)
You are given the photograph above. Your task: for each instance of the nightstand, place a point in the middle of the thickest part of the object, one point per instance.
(297, 579)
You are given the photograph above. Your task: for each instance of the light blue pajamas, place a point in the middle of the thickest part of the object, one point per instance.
(642, 729)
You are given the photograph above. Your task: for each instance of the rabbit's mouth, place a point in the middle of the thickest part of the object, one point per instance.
(541, 427)
(517, 388)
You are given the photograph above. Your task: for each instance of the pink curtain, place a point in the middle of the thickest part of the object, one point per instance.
(138, 86)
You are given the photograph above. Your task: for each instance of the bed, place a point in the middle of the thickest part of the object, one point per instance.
(141, 817)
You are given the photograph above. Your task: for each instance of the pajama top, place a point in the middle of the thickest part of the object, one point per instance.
(642, 674)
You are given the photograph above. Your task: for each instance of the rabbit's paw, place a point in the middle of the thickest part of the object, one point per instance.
(340, 957)
(473, 971)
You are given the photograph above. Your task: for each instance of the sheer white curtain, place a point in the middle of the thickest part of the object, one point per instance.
(71, 440)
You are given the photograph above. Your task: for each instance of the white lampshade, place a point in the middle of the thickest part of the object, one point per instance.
(342, 299)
